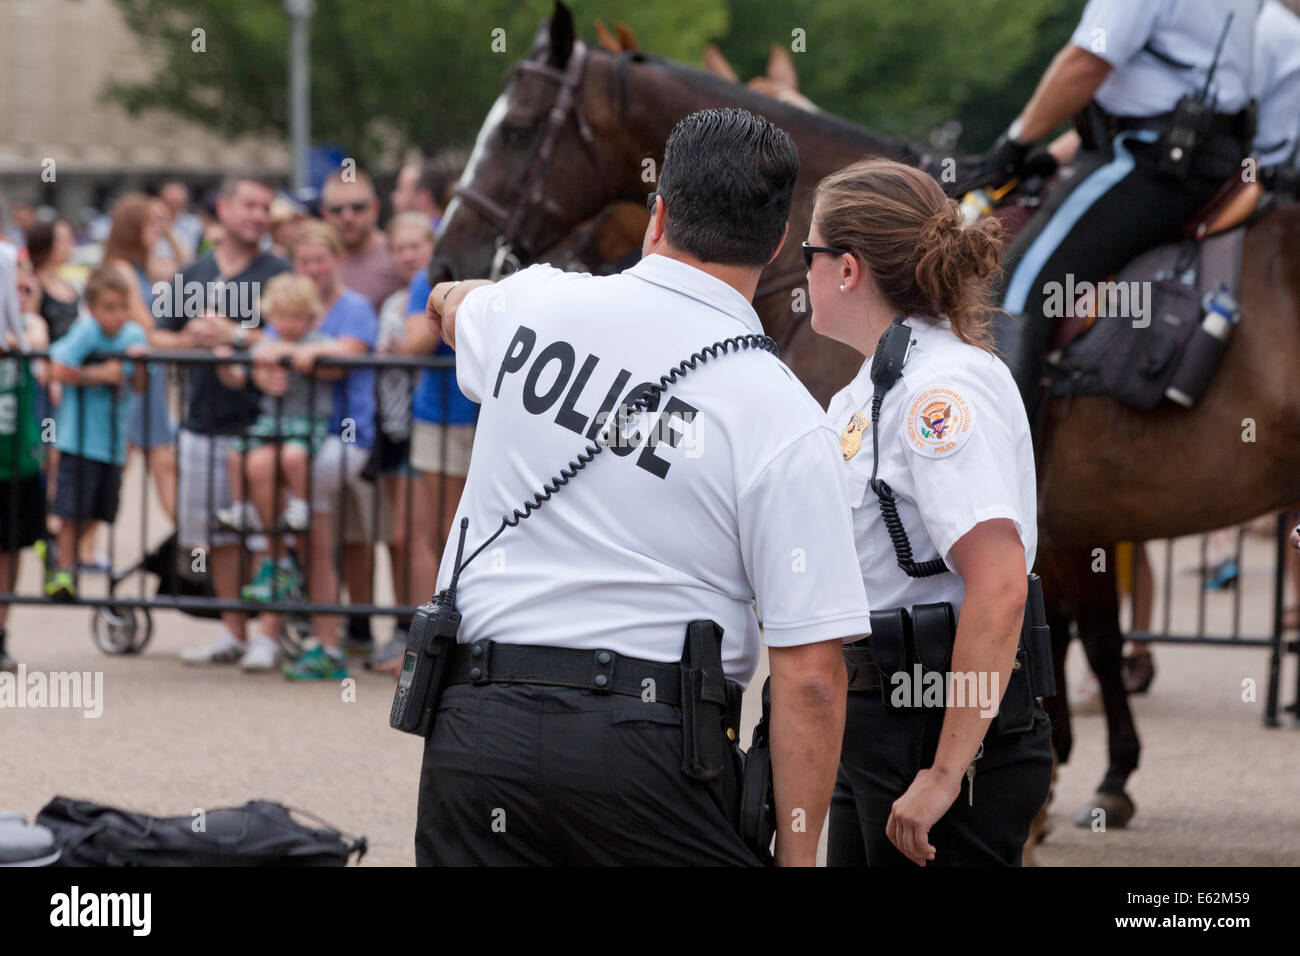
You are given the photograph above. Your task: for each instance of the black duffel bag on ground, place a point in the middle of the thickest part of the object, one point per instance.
(260, 833)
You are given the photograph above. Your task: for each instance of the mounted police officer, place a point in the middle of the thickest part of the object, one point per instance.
(1277, 82)
(947, 752)
(591, 706)
(1160, 92)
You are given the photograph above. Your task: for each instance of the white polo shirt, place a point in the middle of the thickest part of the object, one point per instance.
(732, 494)
(956, 450)
(1277, 83)
(1186, 31)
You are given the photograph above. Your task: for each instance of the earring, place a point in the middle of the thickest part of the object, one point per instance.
(841, 286)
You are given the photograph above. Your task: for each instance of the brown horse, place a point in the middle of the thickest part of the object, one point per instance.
(576, 130)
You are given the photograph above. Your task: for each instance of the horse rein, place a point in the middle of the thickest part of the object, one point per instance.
(509, 222)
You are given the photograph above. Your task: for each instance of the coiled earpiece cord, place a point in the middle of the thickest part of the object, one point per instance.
(650, 395)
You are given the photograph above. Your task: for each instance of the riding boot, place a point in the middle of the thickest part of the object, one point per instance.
(1021, 342)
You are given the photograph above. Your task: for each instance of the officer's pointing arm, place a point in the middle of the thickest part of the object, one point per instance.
(445, 298)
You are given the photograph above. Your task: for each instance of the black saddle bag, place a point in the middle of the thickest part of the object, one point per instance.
(260, 833)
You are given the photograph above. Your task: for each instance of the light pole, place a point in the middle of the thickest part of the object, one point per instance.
(300, 13)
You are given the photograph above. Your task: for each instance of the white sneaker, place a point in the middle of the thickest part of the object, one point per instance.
(224, 650)
(297, 515)
(262, 655)
(240, 516)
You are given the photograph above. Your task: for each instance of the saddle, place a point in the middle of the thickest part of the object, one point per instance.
(1133, 361)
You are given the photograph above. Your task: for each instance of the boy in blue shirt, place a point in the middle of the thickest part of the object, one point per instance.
(90, 425)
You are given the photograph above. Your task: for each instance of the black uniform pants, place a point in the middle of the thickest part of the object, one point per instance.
(1109, 211)
(885, 749)
(518, 774)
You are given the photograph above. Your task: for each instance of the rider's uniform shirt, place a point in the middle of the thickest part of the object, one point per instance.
(1277, 83)
(955, 447)
(728, 500)
(1140, 38)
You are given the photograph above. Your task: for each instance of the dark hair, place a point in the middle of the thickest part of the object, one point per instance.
(40, 243)
(440, 173)
(728, 182)
(231, 183)
(897, 221)
(104, 280)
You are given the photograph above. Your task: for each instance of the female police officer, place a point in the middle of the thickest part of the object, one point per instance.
(947, 451)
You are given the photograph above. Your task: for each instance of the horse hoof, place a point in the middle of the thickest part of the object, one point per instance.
(1108, 810)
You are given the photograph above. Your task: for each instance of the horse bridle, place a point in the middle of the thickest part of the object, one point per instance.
(509, 222)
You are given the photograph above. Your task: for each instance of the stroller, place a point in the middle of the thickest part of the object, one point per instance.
(124, 629)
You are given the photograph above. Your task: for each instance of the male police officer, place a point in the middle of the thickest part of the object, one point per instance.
(1162, 89)
(730, 494)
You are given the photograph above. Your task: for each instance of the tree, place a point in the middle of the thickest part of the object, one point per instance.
(420, 72)
(904, 67)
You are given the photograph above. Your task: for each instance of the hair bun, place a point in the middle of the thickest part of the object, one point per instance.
(953, 255)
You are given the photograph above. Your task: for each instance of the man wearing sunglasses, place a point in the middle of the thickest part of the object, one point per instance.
(351, 206)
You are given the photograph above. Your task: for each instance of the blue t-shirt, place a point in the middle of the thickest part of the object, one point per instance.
(427, 400)
(99, 436)
(353, 317)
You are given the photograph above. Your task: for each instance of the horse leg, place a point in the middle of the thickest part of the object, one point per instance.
(1103, 643)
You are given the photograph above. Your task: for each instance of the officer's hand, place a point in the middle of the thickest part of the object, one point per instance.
(915, 812)
(1004, 162)
(433, 308)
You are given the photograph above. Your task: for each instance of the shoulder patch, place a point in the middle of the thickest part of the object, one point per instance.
(939, 422)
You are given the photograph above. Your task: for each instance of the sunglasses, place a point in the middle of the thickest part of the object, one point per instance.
(810, 251)
(356, 207)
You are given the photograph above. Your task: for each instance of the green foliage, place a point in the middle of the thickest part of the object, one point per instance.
(424, 72)
(905, 66)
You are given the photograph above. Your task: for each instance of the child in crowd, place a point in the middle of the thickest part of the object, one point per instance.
(293, 420)
(90, 428)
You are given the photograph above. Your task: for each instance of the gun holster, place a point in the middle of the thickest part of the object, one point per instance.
(1032, 674)
(1095, 131)
(704, 702)
(757, 817)
(891, 635)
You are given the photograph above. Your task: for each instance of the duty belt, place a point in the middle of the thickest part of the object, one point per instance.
(598, 671)
(1221, 124)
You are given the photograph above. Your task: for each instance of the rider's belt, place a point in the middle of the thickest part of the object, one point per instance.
(1093, 120)
(599, 671)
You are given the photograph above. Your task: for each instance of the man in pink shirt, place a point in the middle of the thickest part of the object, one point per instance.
(349, 204)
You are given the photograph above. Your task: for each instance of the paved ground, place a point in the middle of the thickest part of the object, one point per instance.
(1215, 787)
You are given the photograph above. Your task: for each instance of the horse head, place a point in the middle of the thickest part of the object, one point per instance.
(548, 157)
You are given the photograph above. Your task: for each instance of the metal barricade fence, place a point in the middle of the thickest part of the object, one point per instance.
(186, 579)
(1211, 623)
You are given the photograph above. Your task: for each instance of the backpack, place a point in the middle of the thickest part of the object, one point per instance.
(260, 833)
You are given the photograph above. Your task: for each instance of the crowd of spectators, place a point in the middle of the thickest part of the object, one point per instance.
(357, 456)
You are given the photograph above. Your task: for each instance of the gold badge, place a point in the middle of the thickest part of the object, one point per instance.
(851, 437)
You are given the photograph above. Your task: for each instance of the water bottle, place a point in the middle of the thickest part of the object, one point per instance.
(1205, 349)
(976, 204)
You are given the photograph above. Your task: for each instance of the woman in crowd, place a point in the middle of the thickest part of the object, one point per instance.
(138, 224)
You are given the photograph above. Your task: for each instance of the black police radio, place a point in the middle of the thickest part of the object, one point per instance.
(429, 643)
